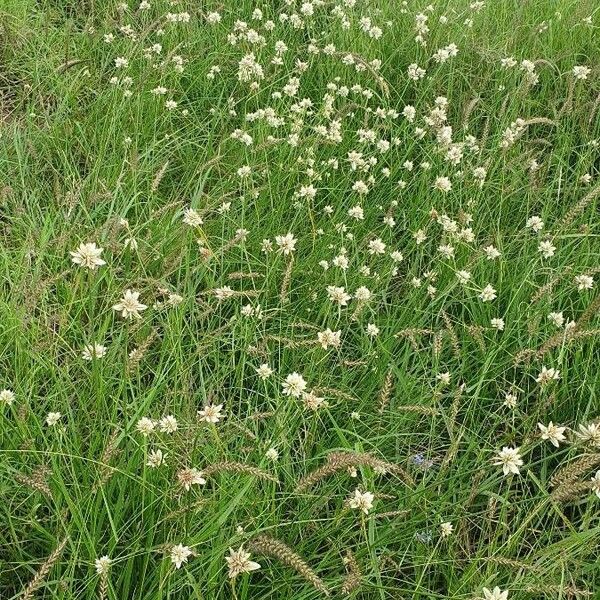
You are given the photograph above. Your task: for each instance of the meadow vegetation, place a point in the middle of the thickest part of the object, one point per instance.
(299, 299)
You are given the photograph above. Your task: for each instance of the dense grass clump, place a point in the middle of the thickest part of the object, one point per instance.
(299, 299)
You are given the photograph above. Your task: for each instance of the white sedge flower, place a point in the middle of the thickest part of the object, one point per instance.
(7, 397)
(88, 256)
(376, 246)
(584, 282)
(356, 212)
(312, 401)
(156, 458)
(102, 565)
(444, 378)
(589, 433)
(362, 501)
(595, 481)
(553, 433)
(180, 555)
(272, 454)
(581, 72)
(338, 295)
(556, 318)
(286, 243)
(535, 224)
(463, 277)
(443, 184)
(129, 306)
(491, 252)
(92, 351)
(547, 375)
(446, 529)
(329, 338)
(213, 17)
(192, 218)
(294, 385)
(168, 424)
(420, 236)
(223, 293)
(360, 187)
(546, 248)
(509, 459)
(145, 426)
(446, 251)
(239, 562)
(372, 330)
(510, 400)
(211, 413)
(189, 477)
(498, 324)
(53, 418)
(264, 371)
(495, 594)
(362, 294)
(488, 293)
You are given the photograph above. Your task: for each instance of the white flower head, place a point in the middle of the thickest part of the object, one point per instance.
(362, 501)
(312, 401)
(509, 459)
(180, 555)
(589, 434)
(88, 256)
(584, 282)
(192, 218)
(581, 72)
(294, 385)
(488, 293)
(129, 306)
(498, 324)
(546, 249)
(535, 224)
(272, 454)
(156, 458)
(211, 413)
(556, 318)
(189, 477)
(595, 481)
(553, 433)
(7, 397)
(264, 371)
(239, 562)
(286, 243)
(495, 594)
(372, 330)
(92, 351)
(376, 246)
(491, 252)
(145, 426)
(547, 375)
(103, 565)
(53, 418)
(168, 424)
(329, 338)
(338, 295)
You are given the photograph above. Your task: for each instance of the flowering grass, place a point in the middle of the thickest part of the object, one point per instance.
(300, 299)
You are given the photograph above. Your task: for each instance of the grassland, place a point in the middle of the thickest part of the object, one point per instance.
(357, 283)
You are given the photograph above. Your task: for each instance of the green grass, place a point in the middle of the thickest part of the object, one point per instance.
(78, 156)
